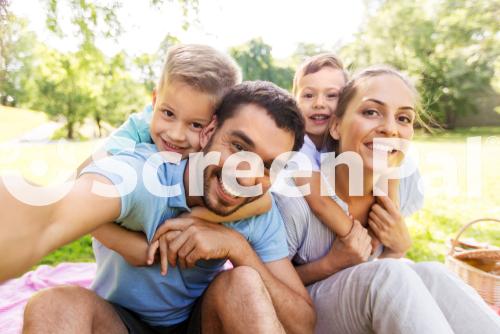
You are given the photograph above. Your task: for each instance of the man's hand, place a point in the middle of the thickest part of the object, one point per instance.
(352, 249)
(389, 226)
(191, 239)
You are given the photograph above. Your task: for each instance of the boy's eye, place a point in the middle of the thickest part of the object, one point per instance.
(333, 96)
(307, 95)
(197, 126)
(168, 113)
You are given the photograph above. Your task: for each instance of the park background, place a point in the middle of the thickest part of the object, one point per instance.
(73, 70)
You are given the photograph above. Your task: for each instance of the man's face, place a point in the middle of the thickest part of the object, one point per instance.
(250, 129)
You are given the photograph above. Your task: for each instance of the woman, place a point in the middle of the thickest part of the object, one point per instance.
(387, 295)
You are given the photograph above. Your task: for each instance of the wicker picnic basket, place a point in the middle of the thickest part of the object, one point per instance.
(477, 264)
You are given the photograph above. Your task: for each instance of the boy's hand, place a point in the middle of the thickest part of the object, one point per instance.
(161, 246)
(389, 226)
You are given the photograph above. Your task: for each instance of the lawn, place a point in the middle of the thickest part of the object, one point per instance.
(14, 122)
(443, 214)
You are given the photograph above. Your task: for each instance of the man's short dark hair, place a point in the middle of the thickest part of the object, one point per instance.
(278, 103)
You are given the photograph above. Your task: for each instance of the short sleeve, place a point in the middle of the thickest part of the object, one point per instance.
(139, 207)
(295, 219)
(135, 130)
(411, 194)
(268, 237)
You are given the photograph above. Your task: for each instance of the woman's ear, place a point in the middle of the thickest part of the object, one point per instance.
(334, 129)
(207, 132)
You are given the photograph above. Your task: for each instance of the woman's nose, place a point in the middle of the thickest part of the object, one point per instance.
(389, 127)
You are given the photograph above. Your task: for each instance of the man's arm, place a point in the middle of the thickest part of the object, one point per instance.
(27, 233)
(204, 240)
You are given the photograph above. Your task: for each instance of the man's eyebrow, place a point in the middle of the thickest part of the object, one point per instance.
(241, 135)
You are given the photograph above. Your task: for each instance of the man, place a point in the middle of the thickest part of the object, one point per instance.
(253, 297)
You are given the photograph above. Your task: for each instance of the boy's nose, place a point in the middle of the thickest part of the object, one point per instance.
(177, 133)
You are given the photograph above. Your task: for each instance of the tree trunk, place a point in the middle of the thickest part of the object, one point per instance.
(70, 127)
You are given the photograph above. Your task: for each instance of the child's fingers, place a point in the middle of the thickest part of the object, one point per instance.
(152, 251)
(163, 255)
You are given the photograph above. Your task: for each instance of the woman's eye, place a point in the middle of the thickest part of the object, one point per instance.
(307, 95)
(371, 112)
(405, 119)
(168, 113)
(333, 96)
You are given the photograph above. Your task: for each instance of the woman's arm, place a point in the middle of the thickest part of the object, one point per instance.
(133, 246)
(346, 251)
(257, 207)
(324, 207)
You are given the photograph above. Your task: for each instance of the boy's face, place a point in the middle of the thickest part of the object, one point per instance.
(317, 97)
(180, 113)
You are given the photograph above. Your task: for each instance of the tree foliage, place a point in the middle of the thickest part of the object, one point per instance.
(257, 63)
(16, 44)
(448, 46)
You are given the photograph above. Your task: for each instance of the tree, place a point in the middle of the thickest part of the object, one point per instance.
(16, 44)
(448, 46)
(257, 63)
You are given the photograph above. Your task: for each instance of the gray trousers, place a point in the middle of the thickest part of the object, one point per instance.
(395, 296)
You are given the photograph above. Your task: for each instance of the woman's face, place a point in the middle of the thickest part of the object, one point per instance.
(382, 107)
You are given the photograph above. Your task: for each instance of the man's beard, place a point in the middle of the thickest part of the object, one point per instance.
(220, 209)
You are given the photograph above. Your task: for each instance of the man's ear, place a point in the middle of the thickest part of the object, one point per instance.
(153, 99)
(207, 132)
(334, 128)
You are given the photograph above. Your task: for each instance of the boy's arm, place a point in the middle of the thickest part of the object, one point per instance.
(27, 233)
(257, 207)
(131, 245)
(345, 252)
(325, 208)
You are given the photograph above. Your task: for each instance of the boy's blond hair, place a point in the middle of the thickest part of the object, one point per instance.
(315, 64)
(201, 67)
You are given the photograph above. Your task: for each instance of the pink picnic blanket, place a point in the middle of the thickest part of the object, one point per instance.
(15, 293)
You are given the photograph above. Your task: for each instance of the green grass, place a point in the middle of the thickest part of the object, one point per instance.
(441, 217)
(14, 122)
(48, 164)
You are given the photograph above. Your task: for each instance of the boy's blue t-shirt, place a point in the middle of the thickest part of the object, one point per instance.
(135, 130)
(165, 300)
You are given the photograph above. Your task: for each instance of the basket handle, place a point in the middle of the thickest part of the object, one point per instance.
(454, 242)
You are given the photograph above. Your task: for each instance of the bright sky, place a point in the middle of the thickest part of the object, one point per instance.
(222, 23)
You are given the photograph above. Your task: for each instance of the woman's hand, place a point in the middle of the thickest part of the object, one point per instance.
(354, 248)
(389, 226)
